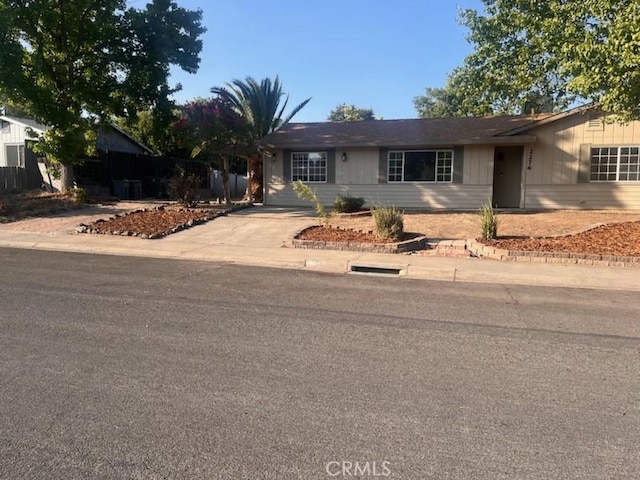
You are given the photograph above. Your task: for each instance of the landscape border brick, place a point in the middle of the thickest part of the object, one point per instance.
(418, 243)
(481, 250)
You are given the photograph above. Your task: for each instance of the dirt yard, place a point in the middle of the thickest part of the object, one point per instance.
(452, 225)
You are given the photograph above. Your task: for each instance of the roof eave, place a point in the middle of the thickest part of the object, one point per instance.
(550, 119)
(497, 140)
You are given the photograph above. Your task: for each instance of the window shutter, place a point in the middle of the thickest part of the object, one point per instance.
(458, 164)
(383, 165)
(584, 163)
(286, 165)
(331, 165)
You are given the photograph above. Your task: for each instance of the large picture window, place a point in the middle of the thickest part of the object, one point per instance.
(615, 164)
(421, 166)
(309, 167)
(14, 155)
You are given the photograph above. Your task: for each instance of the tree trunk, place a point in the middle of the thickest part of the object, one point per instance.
(225, 180)
(254, 178)
(247, 193)
(67, 180)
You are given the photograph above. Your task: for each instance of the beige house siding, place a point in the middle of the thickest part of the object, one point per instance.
(478, 165)
(408, 195)
(360, 168)
(552, 181)
(584, 195)
(358, 176)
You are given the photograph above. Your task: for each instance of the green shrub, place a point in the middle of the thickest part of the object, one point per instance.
(184, 188)
(305, 192)
(347, 204)
(389, 222)
(79, 195)
(489, 222)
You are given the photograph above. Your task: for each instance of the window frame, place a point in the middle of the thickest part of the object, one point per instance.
(599, 155)
(21, 151)
(398, 169)
(296, 169)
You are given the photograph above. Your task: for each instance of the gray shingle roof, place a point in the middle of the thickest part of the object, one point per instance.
(406, 133)
(26, 122)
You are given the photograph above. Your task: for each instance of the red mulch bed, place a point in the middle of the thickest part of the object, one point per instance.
(153, 223)
(336, 234)
(619, 239)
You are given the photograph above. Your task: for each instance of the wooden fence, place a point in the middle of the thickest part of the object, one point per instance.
(13, 178)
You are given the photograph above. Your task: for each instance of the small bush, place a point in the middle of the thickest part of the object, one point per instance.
(347, 204)
(489, 222)
(389, 222)
(305, 192)
(79, 195)
(184, 188)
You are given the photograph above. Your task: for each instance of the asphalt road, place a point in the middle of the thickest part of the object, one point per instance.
(127, 368)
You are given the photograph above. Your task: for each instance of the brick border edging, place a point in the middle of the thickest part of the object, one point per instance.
(418, 243)
(481, 250)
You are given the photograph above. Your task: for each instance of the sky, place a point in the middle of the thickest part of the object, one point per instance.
(376, 54)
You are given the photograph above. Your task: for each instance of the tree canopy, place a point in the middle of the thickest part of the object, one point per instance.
(77, 62)
(546, 54)
(350, 113)
(260, 103)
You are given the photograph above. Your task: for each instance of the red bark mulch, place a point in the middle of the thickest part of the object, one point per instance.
(337, 234)
(153, 223)
(619, 239)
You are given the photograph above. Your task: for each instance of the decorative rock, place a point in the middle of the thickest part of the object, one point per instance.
(81, 229)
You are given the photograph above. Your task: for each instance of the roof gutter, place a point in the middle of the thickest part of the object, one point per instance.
(498, 140)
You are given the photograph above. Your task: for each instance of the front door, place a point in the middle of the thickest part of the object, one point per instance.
(507, 176)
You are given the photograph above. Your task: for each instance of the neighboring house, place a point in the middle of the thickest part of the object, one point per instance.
(15, 152)
(571, 160)
(18, 164)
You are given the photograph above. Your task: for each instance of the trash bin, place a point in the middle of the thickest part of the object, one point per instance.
(121, 189)
(135, 189)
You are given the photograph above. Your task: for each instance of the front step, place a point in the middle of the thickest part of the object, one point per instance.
(448, 248)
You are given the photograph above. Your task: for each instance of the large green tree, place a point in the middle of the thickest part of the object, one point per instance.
(263, 105)
(75, 63)
(350, 113)
(549, 53)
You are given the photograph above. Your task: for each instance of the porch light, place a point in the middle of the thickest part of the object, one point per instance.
(344, 156)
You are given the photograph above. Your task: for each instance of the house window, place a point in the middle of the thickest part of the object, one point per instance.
(615, 164)
(14, 156)
(421, 166)
(309, 167)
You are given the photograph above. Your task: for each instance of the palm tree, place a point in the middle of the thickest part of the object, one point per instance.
(260, 103)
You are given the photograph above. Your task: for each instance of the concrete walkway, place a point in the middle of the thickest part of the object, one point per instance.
(256, 236)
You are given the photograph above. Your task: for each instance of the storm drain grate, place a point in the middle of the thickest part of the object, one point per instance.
(381, 270)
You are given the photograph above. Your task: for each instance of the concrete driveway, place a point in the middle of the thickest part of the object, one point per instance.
(258, 226)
